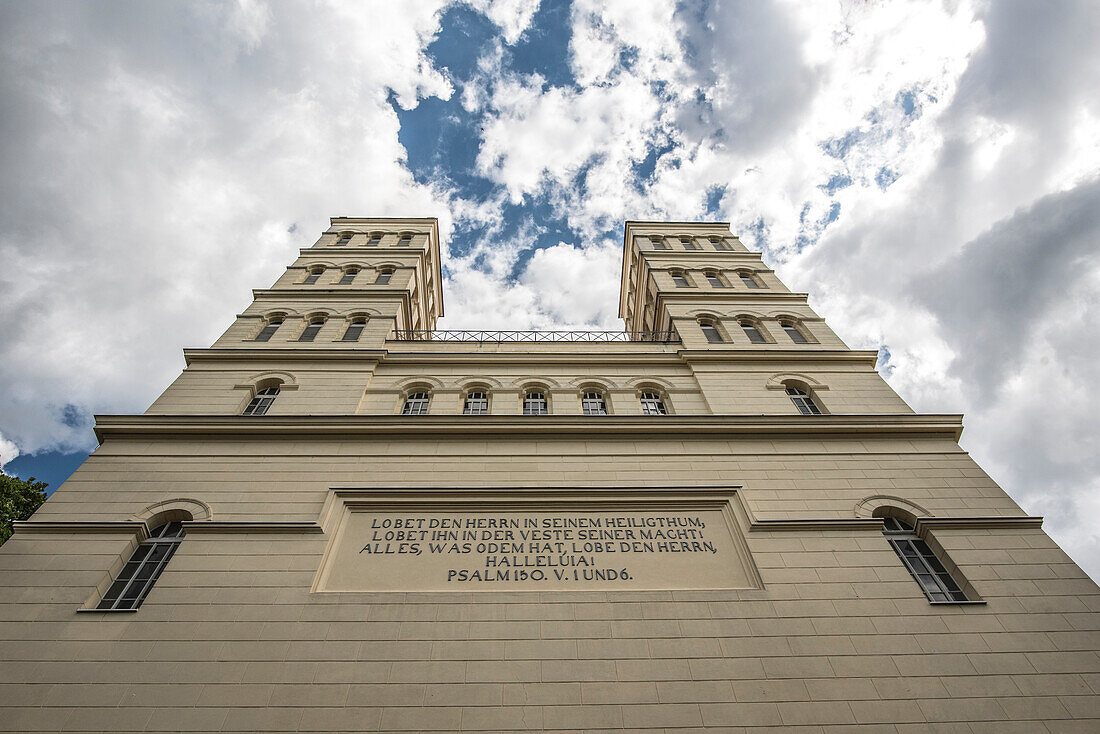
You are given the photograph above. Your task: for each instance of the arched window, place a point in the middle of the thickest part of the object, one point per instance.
(310, 332)
(658, 242)
(934, 579)
(416, 403)
(689, 243)
(314, 274)
(374, 240)
(593, 403)
(262, 401)
(752, 331)
(534, 403)
(794, 332)
(749, 280)
(343, 239)
(384, 276)
(714, 279)
(679, 279)
(720, 244)
(269, 329)
(476, 403)
(139, 574)
(354, 330)
(405, 241)
(652, 404)
(803, 401)
(348, 276)
(710, 331)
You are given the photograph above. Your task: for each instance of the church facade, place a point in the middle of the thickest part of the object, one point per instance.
(340, 518)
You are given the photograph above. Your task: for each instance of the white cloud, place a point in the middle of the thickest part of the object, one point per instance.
(8, 451)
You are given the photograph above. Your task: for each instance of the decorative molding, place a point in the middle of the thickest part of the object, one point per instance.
(980, 522)
(775, 382)
(866, 507)
(198, 510)
(250, 526)
(81, 526)
(707, 426)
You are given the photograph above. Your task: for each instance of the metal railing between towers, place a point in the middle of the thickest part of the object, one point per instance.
(465, 335)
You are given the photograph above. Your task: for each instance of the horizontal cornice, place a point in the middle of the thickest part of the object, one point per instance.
(511, 426)
(290, 352)
(367, 289)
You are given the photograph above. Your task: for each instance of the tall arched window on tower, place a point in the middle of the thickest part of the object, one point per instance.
(792, 331)
(312, 328)
(933, 577)
(354, 330)
(314, 274)
(710, 331)
(803, 400)
(349, 276)
(534, 402)
(261, 402)
(343, 239)
(752, 331)
(714, 279)
(136, 579)
(748, 279)
(272, 325)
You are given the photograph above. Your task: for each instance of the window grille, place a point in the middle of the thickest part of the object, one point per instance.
(144, 567)
(416, 404)
(348, 276)
(534, 403)
(710, 331)
(354, 331)
(593, 403)
(269, 330)
(934, 579)
(652, 404)
(793, 332)
(748, 280)
(680, 280)
(715, 281)
(310, 332)
(261, 402)
(803, 401)
(753, 333)
(477, 403)
(313, 276)
(383, 277)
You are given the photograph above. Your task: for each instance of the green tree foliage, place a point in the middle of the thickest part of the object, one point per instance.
(19, 498)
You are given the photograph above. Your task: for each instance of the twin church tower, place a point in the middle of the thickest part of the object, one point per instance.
(340, 518)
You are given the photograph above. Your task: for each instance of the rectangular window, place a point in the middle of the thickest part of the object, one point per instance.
(383, 277)
(934, 579)
(689, 244)
(375, 240)
(715, 281)
(748, 280)
(310, 332)
(592, 403)
(721, 245)
(343, 240)
(659, 243)
(404, 241)
(355, 330)
(680, 280)
(313, 276)
(268, 331)
(348, 277)
(477, 403)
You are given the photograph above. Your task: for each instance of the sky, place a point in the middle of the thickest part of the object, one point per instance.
(928, 172)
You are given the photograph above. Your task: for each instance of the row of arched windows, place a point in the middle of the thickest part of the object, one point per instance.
(346, 275)
(311, 328)
(714, 278)
(371, 239)
(687, 242)
(933, 572)
(714, 332)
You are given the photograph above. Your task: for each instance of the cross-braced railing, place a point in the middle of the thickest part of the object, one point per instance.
(449, 335)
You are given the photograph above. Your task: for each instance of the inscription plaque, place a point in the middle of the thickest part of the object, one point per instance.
(535, 549)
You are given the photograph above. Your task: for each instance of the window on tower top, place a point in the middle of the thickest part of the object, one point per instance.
(658, 243)
(136, 579)
(793, 332)
(752, 331)
(714, 280)
(354, 330)
(689, 243)
(269, 329)
(342, 240)
(384, 276)
(311, 330)
(349, 276)
(405, 241)
(749, 280)
(374, 240)
(720, 244)
(313, 275)
(710, 331)
(680, 280)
